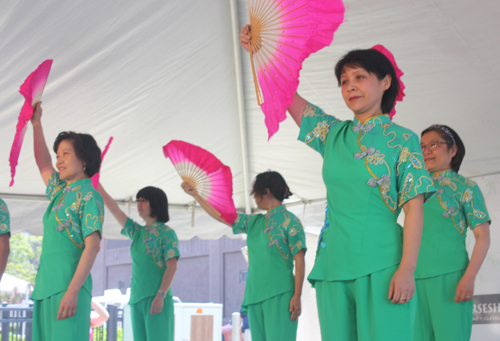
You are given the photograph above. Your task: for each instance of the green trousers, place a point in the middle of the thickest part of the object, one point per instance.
(270, 319)
(439, 317)
(360, 310)
(147, 327)
(47, 328)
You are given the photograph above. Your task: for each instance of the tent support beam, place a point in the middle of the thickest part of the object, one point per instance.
(241, 103)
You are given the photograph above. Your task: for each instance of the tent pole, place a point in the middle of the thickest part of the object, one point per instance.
(241, 104)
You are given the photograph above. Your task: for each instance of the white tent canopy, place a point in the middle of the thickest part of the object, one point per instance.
(149, 72)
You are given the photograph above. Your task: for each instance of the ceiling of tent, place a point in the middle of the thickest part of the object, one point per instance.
(152, 71)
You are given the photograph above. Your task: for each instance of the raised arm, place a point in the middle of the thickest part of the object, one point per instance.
(465, 287)
(402, 287)
(42, 154)
(112, 206)
(205, 205)
(297, 108)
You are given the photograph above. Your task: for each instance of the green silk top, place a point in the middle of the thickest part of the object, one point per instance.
(458, 204)
(370, 171)
(4, 218)
(75, 211)
(272, 239)
(152, 246)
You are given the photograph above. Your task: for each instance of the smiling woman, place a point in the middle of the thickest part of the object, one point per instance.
(444, 275)
(71, 238)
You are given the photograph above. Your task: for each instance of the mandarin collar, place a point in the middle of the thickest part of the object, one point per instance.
(274, 210)
(375, 120)
(443, 173)
(78, 182)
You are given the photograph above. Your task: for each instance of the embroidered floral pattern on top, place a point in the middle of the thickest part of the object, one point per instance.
(4, 217)
(279, 232)
(460, 199)
(366, 152)
(159, 239)
(284, 231)
(71, 211)
(319, 132)
(322, 128)
(383, 166)
(360, 127)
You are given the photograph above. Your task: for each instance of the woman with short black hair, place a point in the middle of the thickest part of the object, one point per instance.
(72, 228)
(444, 275)
(154, 251)
(372, 168)
(275, 241)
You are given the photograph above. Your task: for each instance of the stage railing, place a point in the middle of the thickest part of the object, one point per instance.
(16, 324)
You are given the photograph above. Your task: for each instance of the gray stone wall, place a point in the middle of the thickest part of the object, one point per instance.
(208, 271)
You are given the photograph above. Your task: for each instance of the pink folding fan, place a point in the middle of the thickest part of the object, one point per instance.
(95, 178)
(283, 34)
(32, 90)
(211, 178)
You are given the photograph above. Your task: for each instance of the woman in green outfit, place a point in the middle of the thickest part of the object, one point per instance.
(275, 240)
(4, 236)
(444, 275)
(72, 228)
(154, 251)
(372, 168)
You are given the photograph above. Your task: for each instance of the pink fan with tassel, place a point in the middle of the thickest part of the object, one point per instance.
(95, 178)
(283, 33)
(211, 178)
(32, 90)
(399, 74)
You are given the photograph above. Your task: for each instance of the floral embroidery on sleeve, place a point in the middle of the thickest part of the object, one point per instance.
(4, 218)
(241, 223)
(130, 228)
(315, 127)
(461, 200)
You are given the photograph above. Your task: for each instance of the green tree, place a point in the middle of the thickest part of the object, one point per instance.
(25, 251)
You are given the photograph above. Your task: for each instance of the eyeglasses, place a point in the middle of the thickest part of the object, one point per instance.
(431, 146)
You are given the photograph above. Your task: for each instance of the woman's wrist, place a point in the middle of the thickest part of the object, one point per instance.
(162, 294)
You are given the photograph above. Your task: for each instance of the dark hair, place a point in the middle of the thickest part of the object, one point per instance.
(275, 182)
(157, 201)
(451, 141)
(374, 62)
(86, 150)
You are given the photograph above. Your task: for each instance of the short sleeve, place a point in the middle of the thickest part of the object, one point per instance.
(242, 222)
(4, 218)
(315, 127)
(474, 206)
(92, 213)
(55, 185)
(412, 176)
(296, 236)
(130, 228)
(171, 249)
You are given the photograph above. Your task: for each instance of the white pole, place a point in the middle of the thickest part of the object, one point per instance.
(241, 103)
(236, 326)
